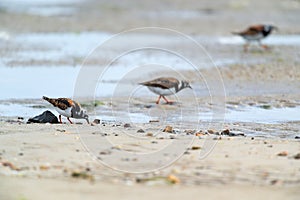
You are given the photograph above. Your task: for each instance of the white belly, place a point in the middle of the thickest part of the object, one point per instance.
(66, 113)
(163, 92)
(254, 37)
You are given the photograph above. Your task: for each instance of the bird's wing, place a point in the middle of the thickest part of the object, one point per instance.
(165, 83)
(63, 103)
(252, 30)
(257, 28)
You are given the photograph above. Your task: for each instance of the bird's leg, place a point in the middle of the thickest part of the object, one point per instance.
(168, 102)
(263, 46)
(246, 45)
(157, 102)
(69, 120)
(60, 119)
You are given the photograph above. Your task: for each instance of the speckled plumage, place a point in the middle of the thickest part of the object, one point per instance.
(165, 86)
(68, 108)
(256, 33)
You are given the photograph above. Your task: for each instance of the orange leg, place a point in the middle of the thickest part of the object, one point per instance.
(157, 102)
(246, 47)
(264, 46)
(60, 119)
(69, 120)
(168, 102)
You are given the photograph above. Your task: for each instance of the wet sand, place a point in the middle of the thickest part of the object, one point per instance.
(259, 105)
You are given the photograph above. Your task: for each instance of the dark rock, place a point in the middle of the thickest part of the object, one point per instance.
(140, 131)
(127, 125)
(195, 148)
(297, 156)
(96, 121)
(283, 153)
(232, 133)
(153, 121)
(45, 117)
(225, 132)
(236, 133)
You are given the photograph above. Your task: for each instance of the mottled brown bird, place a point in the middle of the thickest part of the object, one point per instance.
(68, 108)
(256, 33)
(165, 86)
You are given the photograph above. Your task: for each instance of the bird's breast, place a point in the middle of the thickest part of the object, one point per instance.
(161, 91)
(66, 112)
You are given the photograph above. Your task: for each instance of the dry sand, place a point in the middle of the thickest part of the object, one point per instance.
(63, 161)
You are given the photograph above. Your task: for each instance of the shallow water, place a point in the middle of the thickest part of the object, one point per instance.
(246, 114)
(41, 7)
(36, 82)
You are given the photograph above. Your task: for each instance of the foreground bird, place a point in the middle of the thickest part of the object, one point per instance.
(165, 86)
(68, 108)
(256, 33)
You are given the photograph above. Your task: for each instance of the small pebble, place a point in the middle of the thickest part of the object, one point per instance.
(96, 121)
(225, 132)
(173, 179)
(140, 131)
(127, 125)
(44, 167)
(172, 137)
(297, 156)
(200, 133)
(210, 131)
(149, 134)
(168, 129)
(276, 182)
(189, 132)
(196, 147)
(152, 121)
(107, 152)
(283, 153)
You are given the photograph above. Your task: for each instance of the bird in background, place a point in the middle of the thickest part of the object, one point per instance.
(256, 33)
(165, 86)
(68, 108)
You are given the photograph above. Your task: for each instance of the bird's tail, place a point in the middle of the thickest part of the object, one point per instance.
(52, 101)
(46, 98)
(236, 33)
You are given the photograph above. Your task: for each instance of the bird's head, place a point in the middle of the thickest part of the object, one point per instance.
(85, 116)
(186, 84)
(269, 28)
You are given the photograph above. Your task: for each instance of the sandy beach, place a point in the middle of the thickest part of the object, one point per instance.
(235, 135)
